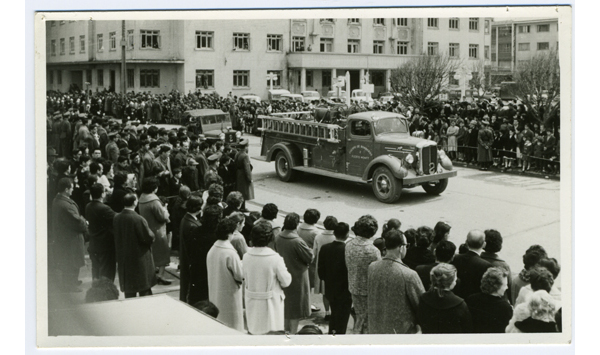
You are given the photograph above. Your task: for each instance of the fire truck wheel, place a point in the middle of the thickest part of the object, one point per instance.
(386, 187)
(435, 188)
(283, 167)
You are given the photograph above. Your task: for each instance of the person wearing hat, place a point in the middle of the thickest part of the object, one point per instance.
(213, 170)
(189, 175)
(485, 140)
(244, 171)
(112, 149)
(65, 136)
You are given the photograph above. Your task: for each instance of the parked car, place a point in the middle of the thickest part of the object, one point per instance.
(293, 97)
(251, 98)
(359, 95)
(310, 96)
(275, 95)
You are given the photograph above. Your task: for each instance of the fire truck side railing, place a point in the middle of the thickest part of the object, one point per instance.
(329, 132)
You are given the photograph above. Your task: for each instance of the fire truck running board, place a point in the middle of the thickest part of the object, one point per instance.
(329, 174)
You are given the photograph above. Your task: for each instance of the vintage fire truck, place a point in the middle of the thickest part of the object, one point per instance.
(370, 146)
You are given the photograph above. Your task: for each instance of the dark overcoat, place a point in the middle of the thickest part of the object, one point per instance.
(243, 170)
(297, 256)
(197, 251)
(470, 268)
(485, 139)
(69, 228)
(133, 241)
(100, 217)
(188, 237)
(443, 315)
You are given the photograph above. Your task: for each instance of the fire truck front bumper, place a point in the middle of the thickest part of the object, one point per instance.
(428, 178)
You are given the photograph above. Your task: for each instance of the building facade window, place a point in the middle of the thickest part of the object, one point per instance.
(402, 48)
(100, 42)
(149, 78)
(353, 46)
(100, 77)
(274, 43)
(130, 78)
(51, 77)
(205, 79)
(88, 76)
(59, 77)
(432, 48)
(377, 78)
(353, 20)
(326, 78)
(241, 78)
(297, 44)
(523, 46)
(454, 50)
(81, 44)
(150, 39)
(241, 41)
(543, 46)
(379, 21)
(326, 20)
(486, 51)
(53, 47)
(378, 47)
(454, 23)
(204, 39)
(487, 26)
(473, 23)
(112, 41)
(493, 57)
(524, 29)
(326, 45)
(505, 47)
(432, 22)
(62, 46)
(309, 78)
(276, 82)
(543, 28)
(473, 51)
(402, 21)
(130, 39)
(72, 45)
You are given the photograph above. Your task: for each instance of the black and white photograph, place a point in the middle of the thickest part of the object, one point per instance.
(260, 177)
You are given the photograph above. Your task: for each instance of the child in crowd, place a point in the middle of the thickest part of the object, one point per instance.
(527, 153)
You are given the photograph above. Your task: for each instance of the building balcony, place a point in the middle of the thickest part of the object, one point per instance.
(318, 60)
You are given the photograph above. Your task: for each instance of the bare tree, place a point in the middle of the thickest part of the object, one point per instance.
(480, 82)
(538, 86)
(422, 78)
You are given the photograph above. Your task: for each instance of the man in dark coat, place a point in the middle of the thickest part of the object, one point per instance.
(243, 170)
(111, 149)
(332, 270)
(202, 164)
(69, 227)
(133, 239)
(485, 140)
(102, 241)
(493, 245)
(470, 266)
(444, 253)
(188, 234)
(65, 145)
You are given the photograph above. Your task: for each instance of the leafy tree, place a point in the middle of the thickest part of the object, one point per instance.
(538, 86)
(421, 79)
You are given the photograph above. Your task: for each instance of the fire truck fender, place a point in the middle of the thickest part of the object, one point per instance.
(390, 162)
(290, 150)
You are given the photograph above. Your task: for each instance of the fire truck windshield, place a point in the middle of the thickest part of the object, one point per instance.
(390, 125)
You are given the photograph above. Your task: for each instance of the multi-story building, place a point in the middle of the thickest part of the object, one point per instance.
(236, 56)
(516, 41)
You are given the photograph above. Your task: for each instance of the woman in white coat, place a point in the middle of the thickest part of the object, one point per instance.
(265, 276)
(225, 277)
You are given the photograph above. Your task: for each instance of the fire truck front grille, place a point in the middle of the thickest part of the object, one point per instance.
(429, 160)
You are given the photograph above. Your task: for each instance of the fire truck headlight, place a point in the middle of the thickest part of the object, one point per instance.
(222, 136)
(238, 134)
(409, 159)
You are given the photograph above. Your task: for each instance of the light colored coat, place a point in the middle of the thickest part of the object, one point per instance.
(224, 283)
(157, 217)
(394, 291)
(265, 276)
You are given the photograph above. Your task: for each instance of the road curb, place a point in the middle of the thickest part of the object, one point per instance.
(516, 172)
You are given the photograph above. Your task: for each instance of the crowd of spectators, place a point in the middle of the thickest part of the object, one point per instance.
(137, 195)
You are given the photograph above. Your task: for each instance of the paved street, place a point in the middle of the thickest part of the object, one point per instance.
(524, 209)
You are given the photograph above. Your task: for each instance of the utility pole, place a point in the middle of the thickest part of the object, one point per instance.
(123, 61)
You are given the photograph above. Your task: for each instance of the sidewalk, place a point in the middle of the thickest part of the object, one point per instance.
(513, 171)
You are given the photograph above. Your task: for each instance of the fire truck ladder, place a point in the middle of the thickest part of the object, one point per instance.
(329, 132)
